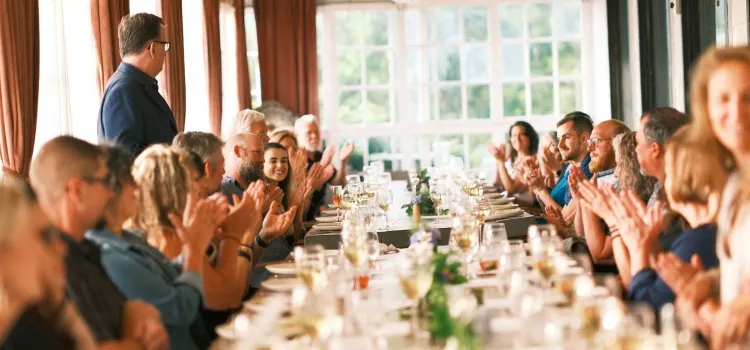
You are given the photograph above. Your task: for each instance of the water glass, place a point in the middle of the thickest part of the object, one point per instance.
(494, 232)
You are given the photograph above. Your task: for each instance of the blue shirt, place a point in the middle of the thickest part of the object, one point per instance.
(133, 113)
(143, 272)
(561, 192)
(648, 287)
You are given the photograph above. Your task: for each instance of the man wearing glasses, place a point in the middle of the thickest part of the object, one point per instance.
(133, 113)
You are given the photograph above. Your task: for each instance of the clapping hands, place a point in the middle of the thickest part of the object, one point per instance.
(275, 224)
(498, 152)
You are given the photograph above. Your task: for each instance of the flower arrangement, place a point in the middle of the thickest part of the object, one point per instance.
(443, 325)
(425, 203)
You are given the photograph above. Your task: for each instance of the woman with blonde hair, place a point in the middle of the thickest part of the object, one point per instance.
(34, 312)
(721, 120)
(286, 138)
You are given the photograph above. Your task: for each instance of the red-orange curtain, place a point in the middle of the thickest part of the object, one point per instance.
(19, 82)
(212, 55)
(174, 66)
(243, 71)
(288, 53)
(105, 17)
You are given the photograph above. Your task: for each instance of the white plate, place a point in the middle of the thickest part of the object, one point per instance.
(282, 268)
(432, 217)
(498, 201)
(493, 195)
(327, 219)
(329, 212)
(328, 227)
(331, 252)
(281, 284)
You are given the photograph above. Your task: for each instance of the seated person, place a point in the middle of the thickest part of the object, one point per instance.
(175, 289)
(73, 183)
(693, 187)
(524, 143)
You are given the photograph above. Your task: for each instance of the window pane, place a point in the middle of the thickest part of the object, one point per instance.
(251, 33)
(540, 59)
(513, 61)
(568, 18)
(569, 58)
(378, 106)
(542, 98)
(511, 21)
(449, 102)
(49, 116)
(379, 145)
(514, 100)
(475, 24)
(349, 28)
(413, 27)
(254, 78)
(478, 153)
(413, 112)
(455, 144)
(414, 67)
(446, 21)
(230, 104)
(349, 107)
(196, 91)
(350, 68)
(377, 28)
(540, 16)
(570, 96)
(478, 102)
(448, 63)
(378, 68)
(138, 6)
(357, 159)
(477, 63)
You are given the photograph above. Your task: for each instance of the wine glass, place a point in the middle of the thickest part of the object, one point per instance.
(494, 233)
(481, 211)
(310, 264)
(336, 192)
(465, 236)
(436, 195)
(415, 272)
(385, 199)
(354, 243)
(352, 179)
(373, 248)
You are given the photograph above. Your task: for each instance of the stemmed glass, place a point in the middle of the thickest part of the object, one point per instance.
(337, 192)
(311, 267)
(415, 272)
(437, 193)
(494, 233)
(354, 242)
(371, 188)
(352, 179)
(385, 198)
(373, 248)
(465, 235)
(481, 211)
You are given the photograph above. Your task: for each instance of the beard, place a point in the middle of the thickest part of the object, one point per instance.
(602, 162)
(250, 171)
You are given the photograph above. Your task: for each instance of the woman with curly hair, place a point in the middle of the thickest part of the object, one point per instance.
(523, 143)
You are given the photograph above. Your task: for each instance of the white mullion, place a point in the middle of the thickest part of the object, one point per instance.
(677, 76)
(555, 64)
(527, 62)
(402, 90)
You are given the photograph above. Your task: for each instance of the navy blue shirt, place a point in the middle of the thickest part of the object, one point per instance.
(648, 287)
(133, 113)
(561, 192)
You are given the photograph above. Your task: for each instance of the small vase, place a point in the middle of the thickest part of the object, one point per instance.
(417, 214)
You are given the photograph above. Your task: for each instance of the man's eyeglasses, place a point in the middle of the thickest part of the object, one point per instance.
(167, 44)
(108, 181)
(594, 141)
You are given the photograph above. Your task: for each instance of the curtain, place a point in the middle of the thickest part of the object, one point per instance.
(288, 53)
(212, 54)
(19, 82)
(174, 66)
(243, 71)
(105, 17)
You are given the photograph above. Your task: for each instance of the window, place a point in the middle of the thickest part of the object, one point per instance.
(415, 85)
(228, 36)
(68, 93)
(196, 88)
(251, 36)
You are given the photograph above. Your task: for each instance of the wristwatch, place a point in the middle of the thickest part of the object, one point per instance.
(259, 241)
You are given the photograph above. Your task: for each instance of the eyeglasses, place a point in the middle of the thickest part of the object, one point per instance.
(107, 181)
(167, 44)
(595, 141)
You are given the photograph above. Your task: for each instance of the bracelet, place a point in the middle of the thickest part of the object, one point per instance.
(259, 241)
(245, 252)
(615, 236)
(230, 238)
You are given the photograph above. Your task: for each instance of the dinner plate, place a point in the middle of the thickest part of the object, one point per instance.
(287, 327)
(329, 212)
(327, 219)
(498, 201)
(433, 217)
(281, 284)
(282, 268)
(493, 195)
(328, 227)
(258, 303)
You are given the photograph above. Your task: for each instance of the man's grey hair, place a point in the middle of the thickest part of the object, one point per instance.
(662, 123)
(244, 119)
(305, 119)
(206, 145)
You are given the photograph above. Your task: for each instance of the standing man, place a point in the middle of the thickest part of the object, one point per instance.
(132, 112)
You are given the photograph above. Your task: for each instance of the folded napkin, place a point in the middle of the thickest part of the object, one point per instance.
(388, 249)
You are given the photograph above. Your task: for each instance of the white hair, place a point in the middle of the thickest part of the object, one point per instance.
(244, 119)
(305, 119)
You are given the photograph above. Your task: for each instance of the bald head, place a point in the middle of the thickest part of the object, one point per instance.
(610, 128)
(61, 159)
